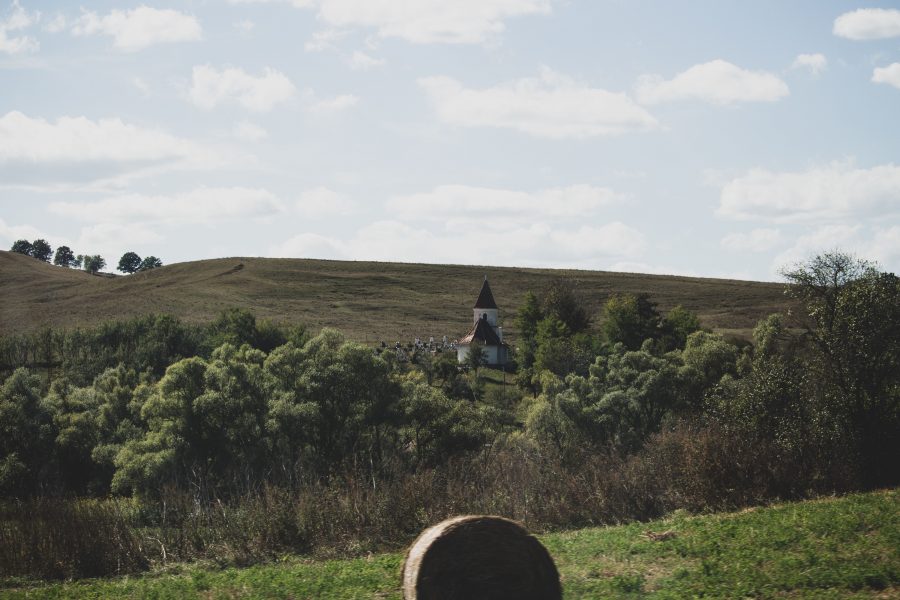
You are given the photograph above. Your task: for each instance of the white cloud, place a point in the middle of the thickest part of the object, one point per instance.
(889, 75)
(324, 40)
(758, 240)
(245, 26)
(81, 140)
(17, 20)
(322, 202)
(142, 86)
(362, 61)
(202, 205)
(57, 24)
(449, 203)
(108, 239)
(879, 244)
(532, 245)
(211, 87)
(430, 21)
(472, 225)
(11, 233)
(717, 82)
(828, 237)
(249, 132)
(612, 239)
(309, 245)
(331, 105)
(868, 24)
(830, 192)
(552, 106)
(297, 3)
(140, 27)
(419, 21)
(814, 63)
(885, 247)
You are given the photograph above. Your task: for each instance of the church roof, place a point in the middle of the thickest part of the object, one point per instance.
(482, 332)
(485, 297)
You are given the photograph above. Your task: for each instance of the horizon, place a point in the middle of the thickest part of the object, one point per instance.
(110, 270)
(715, 140)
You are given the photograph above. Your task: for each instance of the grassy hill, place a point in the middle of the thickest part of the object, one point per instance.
(833, 548)
(369, 301)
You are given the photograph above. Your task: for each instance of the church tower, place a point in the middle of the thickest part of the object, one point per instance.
(485, 331)
(486, 308)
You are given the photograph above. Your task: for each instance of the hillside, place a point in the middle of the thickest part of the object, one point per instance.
(369, 301)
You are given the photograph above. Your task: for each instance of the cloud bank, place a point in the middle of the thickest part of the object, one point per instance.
(868, 24)
(549, 106)
(18, 19)
(211, 87)
(82, 140)
(139, 28)
(716, 82)
(199, 206)
(814, 63)
(889, 75)
(834, 191)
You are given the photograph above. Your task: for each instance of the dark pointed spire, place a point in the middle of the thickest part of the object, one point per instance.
(485, 297)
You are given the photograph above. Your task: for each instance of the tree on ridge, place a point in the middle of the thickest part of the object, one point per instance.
(129, 263)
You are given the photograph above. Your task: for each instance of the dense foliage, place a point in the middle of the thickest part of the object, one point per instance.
(149, 403)
(650, 414)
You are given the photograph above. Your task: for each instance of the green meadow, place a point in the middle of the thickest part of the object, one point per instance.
(846, 547)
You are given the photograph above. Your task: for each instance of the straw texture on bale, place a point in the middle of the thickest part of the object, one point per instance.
(479, 557)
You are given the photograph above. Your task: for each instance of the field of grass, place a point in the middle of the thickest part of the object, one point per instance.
(832, 548)
(368, 301)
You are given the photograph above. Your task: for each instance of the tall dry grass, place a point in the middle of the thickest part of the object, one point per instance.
(698, 468)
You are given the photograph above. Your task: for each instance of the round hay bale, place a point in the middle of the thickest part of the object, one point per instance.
(479, 557)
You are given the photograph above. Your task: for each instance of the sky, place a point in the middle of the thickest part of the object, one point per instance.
(711, 138)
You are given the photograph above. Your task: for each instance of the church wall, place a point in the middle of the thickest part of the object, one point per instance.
(492, 353)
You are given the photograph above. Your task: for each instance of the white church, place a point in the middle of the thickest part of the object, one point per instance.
(485, 330)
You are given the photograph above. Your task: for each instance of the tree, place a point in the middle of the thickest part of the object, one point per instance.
(554, 351)
(676, 326)
(629, 394)
(711, 355)
(151, 262)
(338, 397)
(129, 263)
(94, 263)
(79, 261)
(41, 250)
(476, 357)
(74, 413)
(852, 324)
(22, 247)
(435, 427)
(853, 320)
(527, 320)
(561, 300)
(235, 326)
(64, 257)
(551, 427)
(26, 435)
(630, 319)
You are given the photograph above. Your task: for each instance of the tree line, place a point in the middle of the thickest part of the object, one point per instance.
(92, 263)
(811, 405)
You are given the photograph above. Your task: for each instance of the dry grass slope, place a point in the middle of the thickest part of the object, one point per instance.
(369, 301)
